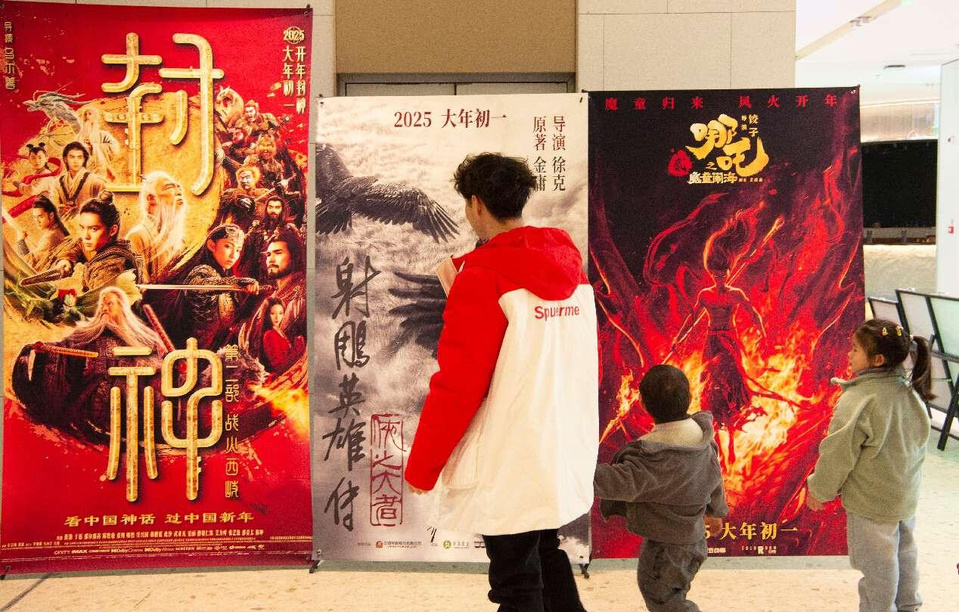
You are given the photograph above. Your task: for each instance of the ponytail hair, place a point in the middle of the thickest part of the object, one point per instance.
(889, 339)
(46, 205)
(922, 370)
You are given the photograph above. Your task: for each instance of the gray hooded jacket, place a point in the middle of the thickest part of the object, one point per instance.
(663, 490)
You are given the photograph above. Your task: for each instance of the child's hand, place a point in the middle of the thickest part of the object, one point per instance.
(416, 491)
(714, 525)
(814, 504)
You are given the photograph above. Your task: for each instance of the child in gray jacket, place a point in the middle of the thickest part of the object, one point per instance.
(663, 484)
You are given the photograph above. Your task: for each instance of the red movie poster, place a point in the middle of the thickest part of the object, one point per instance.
(156, 406)
(725, 239)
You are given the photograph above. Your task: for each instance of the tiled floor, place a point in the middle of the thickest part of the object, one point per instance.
(727, 585)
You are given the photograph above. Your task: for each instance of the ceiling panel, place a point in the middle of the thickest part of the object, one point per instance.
(920, 35)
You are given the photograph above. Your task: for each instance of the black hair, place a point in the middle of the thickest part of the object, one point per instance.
(44, 203)
(889, 339)
(289, 235)
(204, 256)
(76, 146)
(270, 303)
(665, 393)
(222, 231)
(268, 224)
(504, 184)
(102, 206)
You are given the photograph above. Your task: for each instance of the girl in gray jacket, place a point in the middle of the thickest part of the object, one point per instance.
(872, 457)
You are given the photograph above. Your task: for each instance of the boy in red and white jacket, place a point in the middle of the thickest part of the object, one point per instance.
(510, 425)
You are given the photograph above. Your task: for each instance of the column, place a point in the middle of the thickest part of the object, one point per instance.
(947, 196)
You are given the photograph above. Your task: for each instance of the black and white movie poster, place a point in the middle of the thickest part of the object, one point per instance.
(386, 216)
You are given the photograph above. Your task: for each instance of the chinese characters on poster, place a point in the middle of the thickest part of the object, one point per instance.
(156, 405)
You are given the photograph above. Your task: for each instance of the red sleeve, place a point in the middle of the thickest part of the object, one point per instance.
(473, 330)
(276, 348)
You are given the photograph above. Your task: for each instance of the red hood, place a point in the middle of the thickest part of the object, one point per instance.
(541, 260)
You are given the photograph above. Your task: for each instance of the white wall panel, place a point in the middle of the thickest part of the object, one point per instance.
(667, 51)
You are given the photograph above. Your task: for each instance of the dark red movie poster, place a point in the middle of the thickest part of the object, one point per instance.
(155, 373)
(725, 239)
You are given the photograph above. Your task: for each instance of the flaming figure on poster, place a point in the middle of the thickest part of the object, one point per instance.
(743, 291)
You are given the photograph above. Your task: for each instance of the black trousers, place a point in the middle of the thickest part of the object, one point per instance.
(528, 572)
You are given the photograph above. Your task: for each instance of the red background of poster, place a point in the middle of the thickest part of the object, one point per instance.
(69, 40)
(800, 267)
(48, 476)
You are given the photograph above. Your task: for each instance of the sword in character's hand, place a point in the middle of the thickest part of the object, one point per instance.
(49, 276)
(8, 218)
(54, 349)
(233, 288)
(158, 327)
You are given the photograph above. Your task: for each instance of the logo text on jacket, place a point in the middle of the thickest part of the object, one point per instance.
(546, 313)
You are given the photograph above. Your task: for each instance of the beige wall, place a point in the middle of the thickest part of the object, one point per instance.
(442, 36)
(676, 44)
(610, 44)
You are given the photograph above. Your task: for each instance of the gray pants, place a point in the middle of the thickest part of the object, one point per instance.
(665, 572)
(886, 554)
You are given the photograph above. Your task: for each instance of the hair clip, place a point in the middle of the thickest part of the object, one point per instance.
(899, 330)
(885, 332)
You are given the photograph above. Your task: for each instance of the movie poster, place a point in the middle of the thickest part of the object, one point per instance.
(725, 239)
(386, 217)
(155, 372)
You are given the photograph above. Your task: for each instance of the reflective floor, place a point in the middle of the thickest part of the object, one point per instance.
(726, 585)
